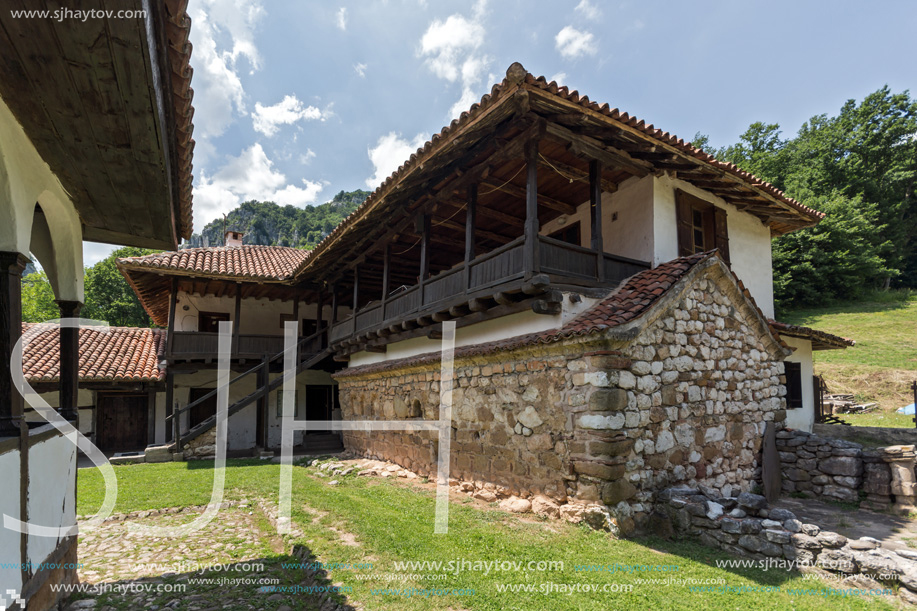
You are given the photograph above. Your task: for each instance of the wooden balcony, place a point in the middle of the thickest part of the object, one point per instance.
(502, 270)
(196, 345)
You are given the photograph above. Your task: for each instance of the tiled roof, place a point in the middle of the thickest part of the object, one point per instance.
(178, 27)
(632, 298)
(123, 354)
(516, 78)
(245, 262)
(821, 340)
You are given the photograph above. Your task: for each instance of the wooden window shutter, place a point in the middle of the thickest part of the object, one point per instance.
(721, 235)
(683, 214)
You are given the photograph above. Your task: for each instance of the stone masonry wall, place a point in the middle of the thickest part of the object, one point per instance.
(610, 418)
(744, 525)
(843, 470)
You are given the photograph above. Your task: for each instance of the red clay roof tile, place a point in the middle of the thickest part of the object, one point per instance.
(123, 354)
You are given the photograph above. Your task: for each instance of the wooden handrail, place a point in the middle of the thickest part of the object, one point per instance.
(264, 363)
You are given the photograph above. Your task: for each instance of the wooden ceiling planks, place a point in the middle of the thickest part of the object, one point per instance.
(84, 93)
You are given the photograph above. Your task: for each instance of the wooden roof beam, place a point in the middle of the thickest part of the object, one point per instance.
(576, 173)
(544, 200)
(590, 148)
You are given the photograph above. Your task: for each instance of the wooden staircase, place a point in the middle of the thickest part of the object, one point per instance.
(310, 351)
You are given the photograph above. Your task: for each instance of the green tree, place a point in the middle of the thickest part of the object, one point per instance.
(108, 295)
(38, 303)
(838, 258)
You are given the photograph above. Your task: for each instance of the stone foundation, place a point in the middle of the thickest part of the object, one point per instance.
(611, 417)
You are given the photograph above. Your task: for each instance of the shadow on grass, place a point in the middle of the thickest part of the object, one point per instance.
(295, 581)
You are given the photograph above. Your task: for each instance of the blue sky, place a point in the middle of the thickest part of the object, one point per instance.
(297, 100)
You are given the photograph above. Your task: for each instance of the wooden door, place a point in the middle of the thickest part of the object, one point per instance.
(209, 322)
(122, 422)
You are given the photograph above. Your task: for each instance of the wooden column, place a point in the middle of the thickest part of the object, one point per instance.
(385, 275)
(236, 323)
(296, 313)
(69, 361)
(173, 305)
(334, 304)
(171, 431)
(471, 213)
(530, 251)
(423, 227)
(151, 416)
(356, 288)
(261, 425)
(11, 402)
(595, 203)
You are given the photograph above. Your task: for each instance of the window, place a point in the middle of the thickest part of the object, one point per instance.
(569, 234)
(793, 385)
(209, 322)
(701, 226)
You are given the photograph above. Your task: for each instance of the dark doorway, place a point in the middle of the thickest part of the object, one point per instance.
(205, 410)
(122, 422)
(320, 401)
(209, 322)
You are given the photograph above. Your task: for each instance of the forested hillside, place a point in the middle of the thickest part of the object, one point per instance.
(860, 168)
(269, 224)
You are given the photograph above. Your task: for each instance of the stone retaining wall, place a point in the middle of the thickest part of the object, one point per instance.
(744, 525)
(841, 470)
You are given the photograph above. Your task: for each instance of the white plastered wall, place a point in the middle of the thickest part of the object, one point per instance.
(496, 329)
(52, 498)
(749, 239)
(10, 577)
(26, 180)
(802, 418)
(259, 316)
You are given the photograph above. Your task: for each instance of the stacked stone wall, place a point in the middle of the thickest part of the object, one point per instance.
(683, 399)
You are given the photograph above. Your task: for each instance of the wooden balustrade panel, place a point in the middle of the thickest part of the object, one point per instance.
(402, 303)
(565, 260)
(498, 268)
(192, 342)
(342, 330)
(368, 318)
(445, 285)
(616, 271)
(260, 344)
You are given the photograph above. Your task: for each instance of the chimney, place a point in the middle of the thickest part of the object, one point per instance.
(233, 238)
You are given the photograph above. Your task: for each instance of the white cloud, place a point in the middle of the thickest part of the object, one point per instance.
(560, 78)
(341, 18)
(588, 10)
(251, 175)
(573, 43)
(224, 43)
(307, 157)
(360, 69)
(390, 152)
(268, 119)
(451, 48)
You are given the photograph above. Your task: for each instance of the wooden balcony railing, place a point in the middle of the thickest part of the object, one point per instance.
(193, 344)
(565, 264)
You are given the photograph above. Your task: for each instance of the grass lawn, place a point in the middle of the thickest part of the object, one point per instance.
(371, 520)
(881, 367)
